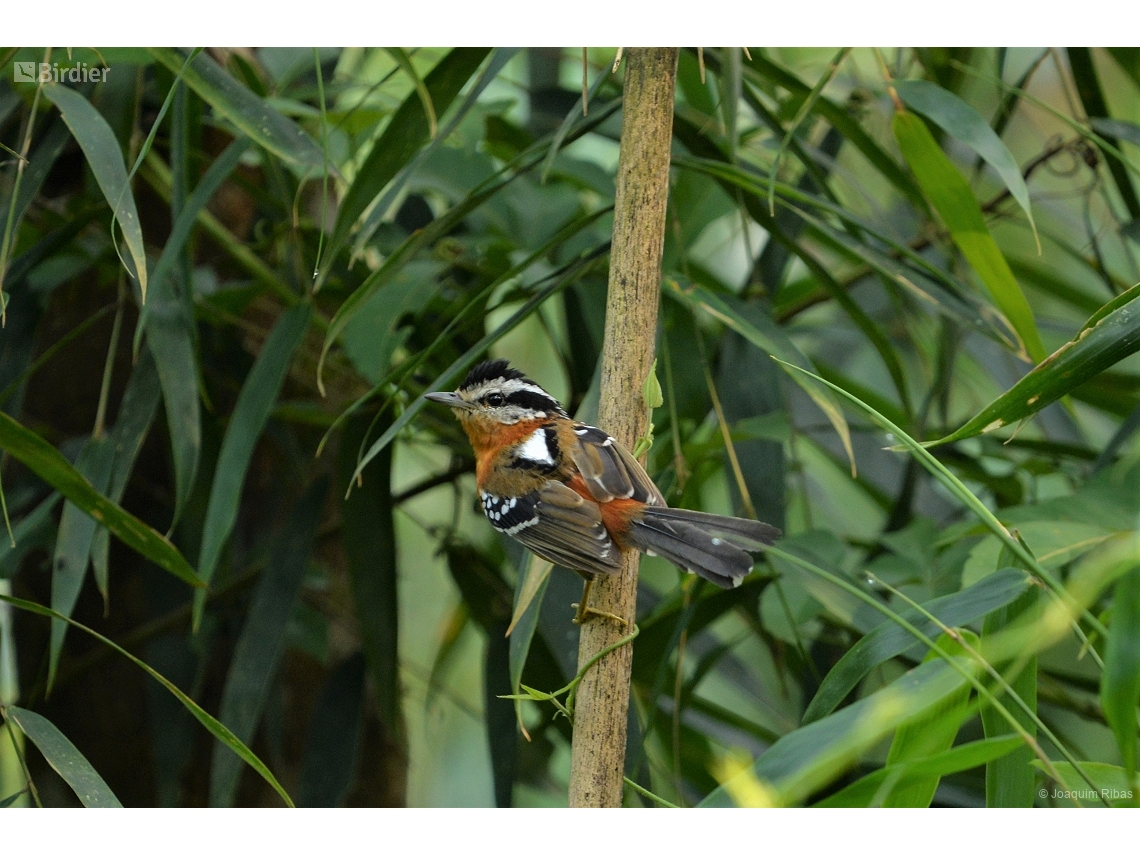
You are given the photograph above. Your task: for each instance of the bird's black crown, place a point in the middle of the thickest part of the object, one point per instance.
(496, 369)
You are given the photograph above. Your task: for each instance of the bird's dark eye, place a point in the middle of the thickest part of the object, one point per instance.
(495, 399)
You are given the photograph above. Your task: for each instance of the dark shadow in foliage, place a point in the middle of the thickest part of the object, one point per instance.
(329, 765)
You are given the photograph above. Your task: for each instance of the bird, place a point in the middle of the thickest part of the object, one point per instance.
(570, 493)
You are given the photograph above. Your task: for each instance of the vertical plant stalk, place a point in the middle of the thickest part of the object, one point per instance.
(600, 716)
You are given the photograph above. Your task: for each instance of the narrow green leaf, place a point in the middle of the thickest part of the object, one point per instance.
(49, 464)
(215, 727)
(499, 58)
(222, 167)
(395, 262)
(810, 757)
(966, 125)
(73, 543)
(329, 763)
(101, 149)
(1108, 337)
(252, 115)
(773, 340)
(65, 758)
(36, 530)
(499, 714)
(251, 412)
(262, 639)
(960, 491)
(1010, 779)
(1120, 683)
(958, 759)
(761, 70)
(1092, 99)
(407, 130)
(928, 735)
(8, 801)
(918, 276)
(170, 340)
(952, 198)
(888, 640)
(405, 63)
(136, 412)
(530, 591)
(370, 545)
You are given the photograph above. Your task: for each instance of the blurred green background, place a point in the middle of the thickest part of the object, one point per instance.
(326, 234)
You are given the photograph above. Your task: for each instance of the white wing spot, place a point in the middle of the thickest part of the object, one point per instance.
(609, 441)
(716, 541)
(536, 449)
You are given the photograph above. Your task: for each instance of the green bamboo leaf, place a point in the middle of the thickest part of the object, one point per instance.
(1093, 100)
(170, 339)
(773, 340)
(810, 757)
(499, 58)
(252, 115)
(405, 63)
(136, 412)
(862, 793)
(251, 412)
(928, 735)
(262, 640)
(952, 198)
(215, 727)
(966, 125)
(65, 758)
(761, 70)
(1120, 683)
(51, 466)
(224, 164)
(888, 640)
(73, 543)
(949, 295)
(1010, 778)
(333, 741)
(36, 530)
(407, 130)
(369, 537)
(1110, 335)
(529, 594)
(101, 149)
(394, 263)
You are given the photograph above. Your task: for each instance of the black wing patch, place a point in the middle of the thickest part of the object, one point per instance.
(512, 515)
(557, 524)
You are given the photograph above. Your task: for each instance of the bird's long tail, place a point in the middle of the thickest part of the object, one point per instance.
(713, 547)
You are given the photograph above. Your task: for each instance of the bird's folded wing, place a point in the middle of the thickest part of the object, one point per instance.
(611, 472)
(568, 530)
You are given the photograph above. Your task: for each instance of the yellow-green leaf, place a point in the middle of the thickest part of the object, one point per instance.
(952, 198)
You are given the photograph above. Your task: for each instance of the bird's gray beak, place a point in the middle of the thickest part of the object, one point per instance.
(449, 398)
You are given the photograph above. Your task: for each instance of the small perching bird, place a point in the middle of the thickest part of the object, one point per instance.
(572, 495)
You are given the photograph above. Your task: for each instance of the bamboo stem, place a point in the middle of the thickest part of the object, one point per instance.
(598, 751)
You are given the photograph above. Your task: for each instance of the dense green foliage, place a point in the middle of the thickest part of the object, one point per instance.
(229, 276)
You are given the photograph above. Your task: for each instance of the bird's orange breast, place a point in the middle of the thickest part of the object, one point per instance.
(487, 440)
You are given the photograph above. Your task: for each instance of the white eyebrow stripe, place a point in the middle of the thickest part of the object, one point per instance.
(537, 449)
(507, 387)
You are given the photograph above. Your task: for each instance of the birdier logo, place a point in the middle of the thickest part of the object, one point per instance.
(52, 72)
